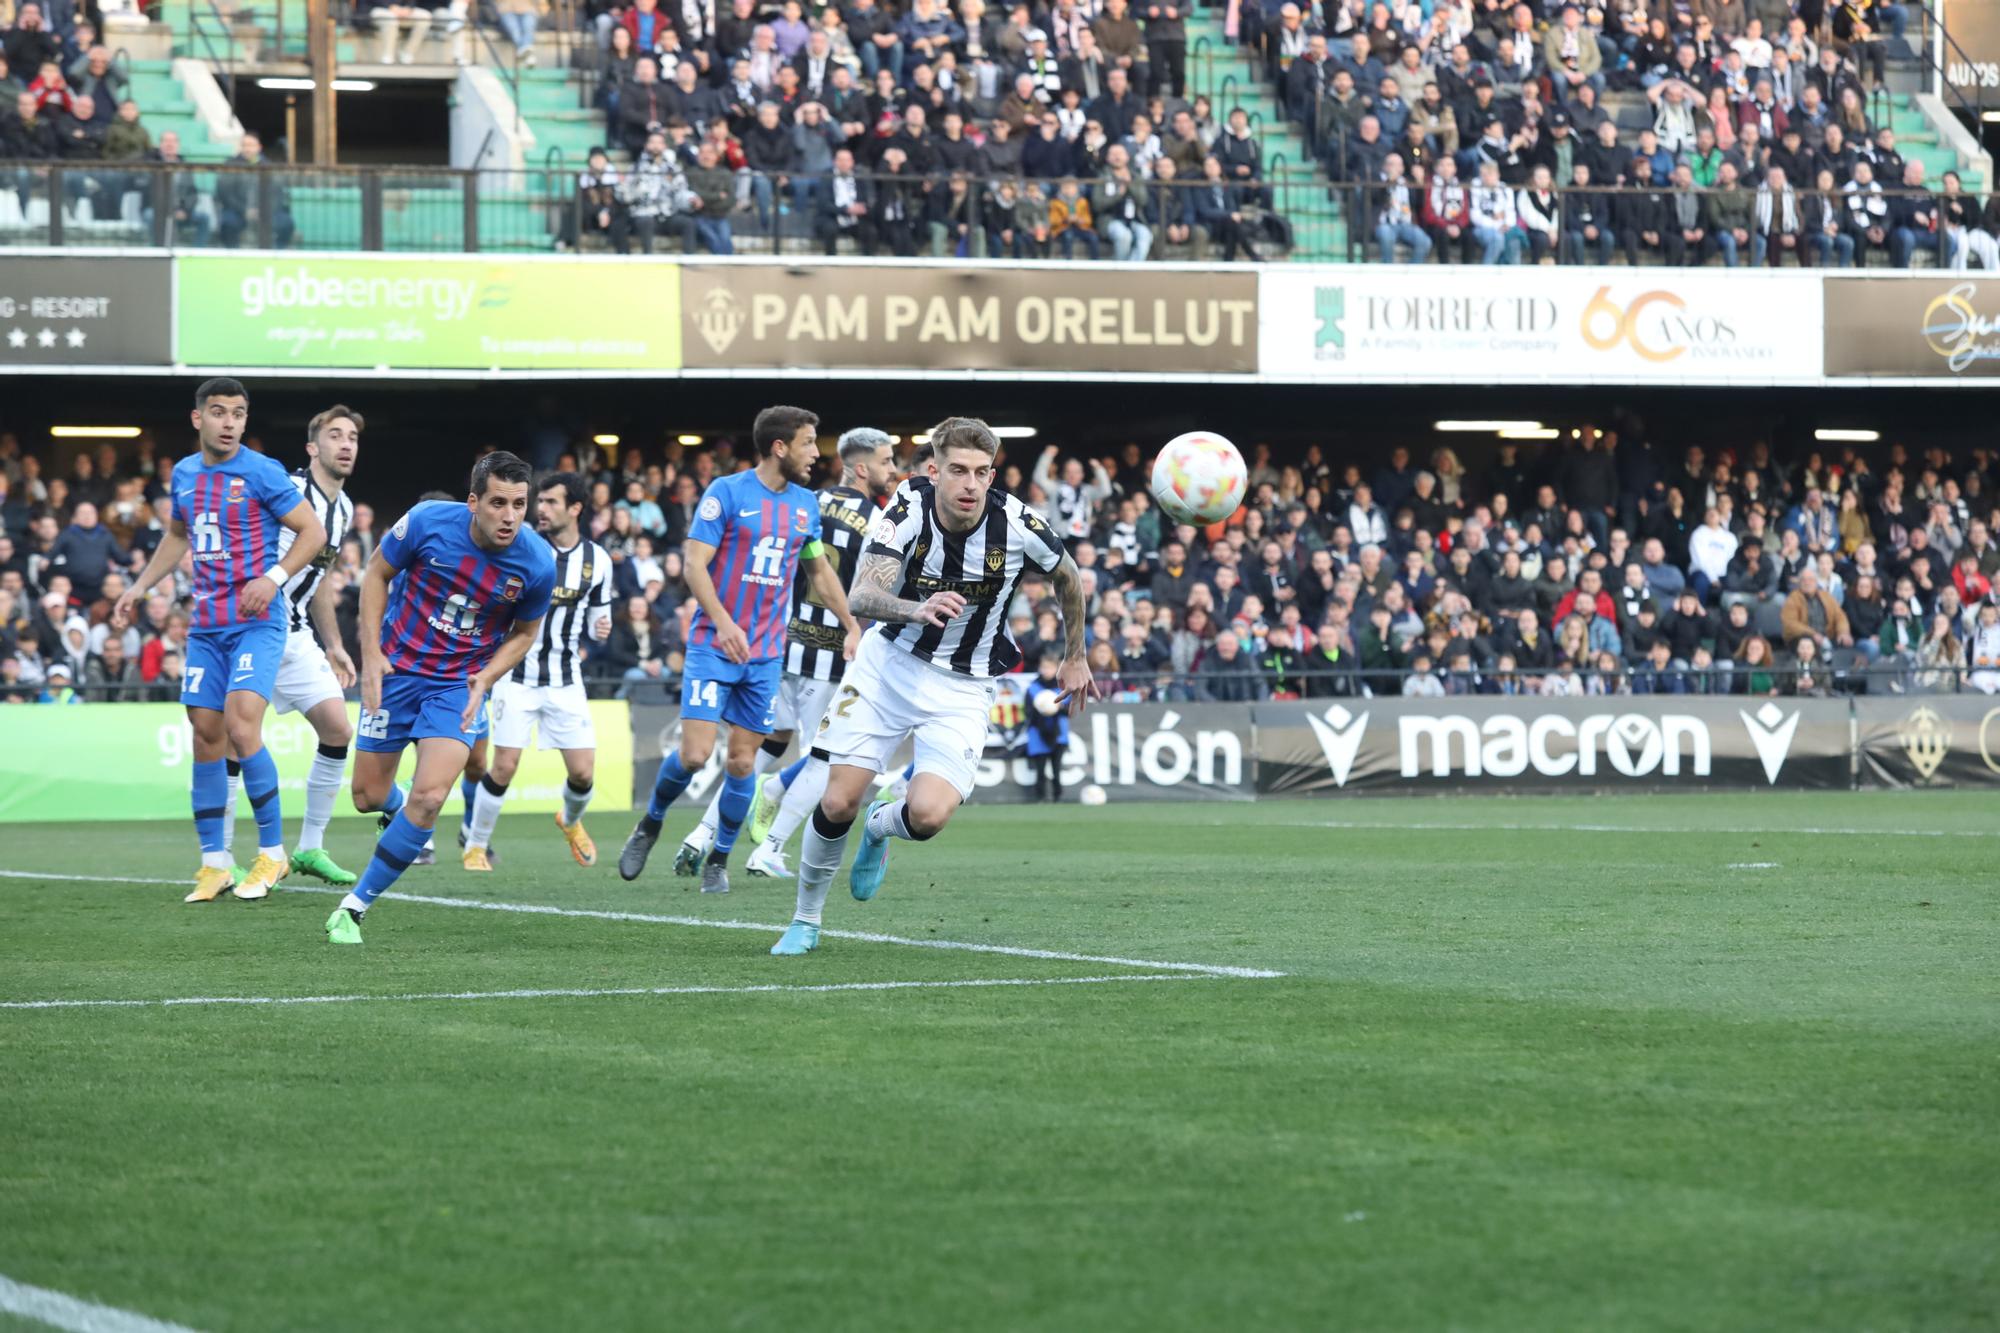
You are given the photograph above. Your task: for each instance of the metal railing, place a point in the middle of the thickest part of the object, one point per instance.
(1365, 200)
(442, 209)
(218, 48)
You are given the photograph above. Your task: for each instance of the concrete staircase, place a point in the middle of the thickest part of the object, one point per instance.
(1229, 76)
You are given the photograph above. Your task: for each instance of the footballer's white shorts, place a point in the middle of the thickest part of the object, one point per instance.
(559, 714)
(801, 703)
(888, 695)
(305, 677)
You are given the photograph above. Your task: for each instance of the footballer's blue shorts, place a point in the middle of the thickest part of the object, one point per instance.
(743, 694)
(415, 708)
(231, 658)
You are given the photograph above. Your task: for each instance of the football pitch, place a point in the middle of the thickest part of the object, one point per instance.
(1696, 1062)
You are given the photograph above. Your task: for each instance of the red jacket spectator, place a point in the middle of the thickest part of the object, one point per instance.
(1605, 606)
(1447, 204)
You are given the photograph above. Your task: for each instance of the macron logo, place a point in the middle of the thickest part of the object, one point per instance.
(1771, 733)
(1339, 735)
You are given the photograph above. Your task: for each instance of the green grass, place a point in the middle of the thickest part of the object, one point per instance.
(1519, 1076)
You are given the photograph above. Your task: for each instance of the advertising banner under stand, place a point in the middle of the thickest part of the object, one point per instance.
(1929, 740)
(1161, 752)
(1913, 325)
(1000, 317)
(1373, 323)
(76, 311)
(437, 312)
(1645, 743)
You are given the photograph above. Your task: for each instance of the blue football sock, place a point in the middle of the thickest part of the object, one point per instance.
(909, 770)
(729, 814)
(394, 850)
(469, 789)
(672, 781)
(210, 794)
(393, 802)
(786, 778)
(260, 780)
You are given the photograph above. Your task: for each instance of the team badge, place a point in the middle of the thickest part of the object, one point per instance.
(510, 591)
(804, 521)
(711, 508)
(235, 490)
(996, 560)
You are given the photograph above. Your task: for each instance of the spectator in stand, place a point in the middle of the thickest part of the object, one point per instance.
(1824, 224)
(1913, 218)
(1226, 674)
(1985, 650)
(242, 196)
(1778, 221)
(1491, 207)
(1810, 613)
(596, 200)
(1070, 219)
(1397, 205)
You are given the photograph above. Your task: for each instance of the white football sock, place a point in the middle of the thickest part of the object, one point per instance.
(819, 858)
(229, 813)
(322, 788)
(801, 799)
(485, 813)
(574, 802)
(890, 821)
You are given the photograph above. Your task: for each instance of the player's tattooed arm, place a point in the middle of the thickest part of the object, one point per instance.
(1068, 581)
(874, 595)
(1074, 675)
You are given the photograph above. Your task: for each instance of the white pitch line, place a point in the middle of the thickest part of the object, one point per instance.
(964, 983)
(1752, 865)
(79, 1316)
(650, 918)
(1388, 826)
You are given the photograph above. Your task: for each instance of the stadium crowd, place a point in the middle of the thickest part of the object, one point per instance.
(1606, 565)
(1468, 132)
(1014, 132)
(66, 101)
(1474, 131)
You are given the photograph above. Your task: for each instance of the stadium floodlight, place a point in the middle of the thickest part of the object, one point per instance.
(276, 85)
(921, 437)
(1483, 427)
(1538, 433)
(1832, 435)
(1013, 432)
(605, 441)
(1991, 117)
(94, 432)
(687, 439)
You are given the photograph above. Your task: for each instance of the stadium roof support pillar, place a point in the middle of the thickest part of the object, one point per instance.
(322, 51)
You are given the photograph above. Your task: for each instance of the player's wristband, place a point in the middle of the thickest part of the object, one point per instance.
(277, 575)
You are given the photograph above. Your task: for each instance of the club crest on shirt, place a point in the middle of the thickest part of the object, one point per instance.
(711, 508)
(996, 560)
(235, 490)
(511, 590)
(804, 521)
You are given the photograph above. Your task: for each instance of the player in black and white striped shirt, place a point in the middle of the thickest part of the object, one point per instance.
(941, 566)
(316, 670)
(545, 692)
(815, 658)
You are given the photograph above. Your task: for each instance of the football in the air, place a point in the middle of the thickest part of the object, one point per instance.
(1199, 478)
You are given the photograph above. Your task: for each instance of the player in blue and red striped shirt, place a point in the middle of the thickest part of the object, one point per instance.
(751, 534)
(228, 506)
(451, 602)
